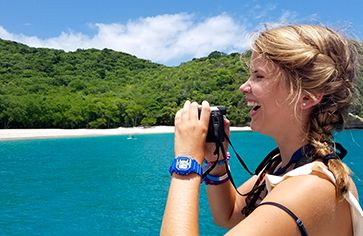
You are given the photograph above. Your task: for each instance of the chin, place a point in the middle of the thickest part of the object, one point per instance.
(254, 127)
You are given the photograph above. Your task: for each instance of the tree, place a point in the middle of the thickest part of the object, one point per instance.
(47, 88)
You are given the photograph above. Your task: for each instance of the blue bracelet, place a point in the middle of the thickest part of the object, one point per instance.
(220, 162)
(216, 180)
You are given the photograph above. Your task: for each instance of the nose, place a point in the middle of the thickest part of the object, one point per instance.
(245, 87)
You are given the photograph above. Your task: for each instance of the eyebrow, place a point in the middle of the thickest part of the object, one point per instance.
(259, 70)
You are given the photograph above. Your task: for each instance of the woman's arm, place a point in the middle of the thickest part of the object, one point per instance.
(226, 204)
(181, 211)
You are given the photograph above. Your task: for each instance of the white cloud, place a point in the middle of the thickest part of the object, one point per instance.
(215, 33)
(5, 34)
(166, 39)
(287, 17)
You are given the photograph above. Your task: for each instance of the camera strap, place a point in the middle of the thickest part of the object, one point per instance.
(238, 156)
(220, 149)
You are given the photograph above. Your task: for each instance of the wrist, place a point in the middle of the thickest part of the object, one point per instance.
(197, 156)
(218, 170)
(220, 162)
(216, 180)
(219, 165)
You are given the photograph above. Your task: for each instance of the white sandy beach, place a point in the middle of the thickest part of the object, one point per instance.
(14, 134)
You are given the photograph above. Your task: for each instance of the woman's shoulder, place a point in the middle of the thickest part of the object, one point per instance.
(302, 186)
(319, 169)
(312, 175)
(312, 198)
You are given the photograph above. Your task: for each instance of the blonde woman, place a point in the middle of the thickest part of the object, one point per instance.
(300, 88)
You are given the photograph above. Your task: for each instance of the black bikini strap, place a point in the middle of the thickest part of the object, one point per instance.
(299, 223)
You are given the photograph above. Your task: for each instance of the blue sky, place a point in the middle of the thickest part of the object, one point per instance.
(167, 32)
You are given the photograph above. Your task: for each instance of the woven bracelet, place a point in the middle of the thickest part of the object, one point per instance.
(220, 162)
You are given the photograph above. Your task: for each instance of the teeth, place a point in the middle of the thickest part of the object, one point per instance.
(253, 104)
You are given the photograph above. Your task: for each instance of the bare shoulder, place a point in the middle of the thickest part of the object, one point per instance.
(303, 191)
(311, 198)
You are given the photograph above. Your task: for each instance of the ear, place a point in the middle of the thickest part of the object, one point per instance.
(309, 101)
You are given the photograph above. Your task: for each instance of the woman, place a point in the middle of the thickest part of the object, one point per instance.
(301, 85)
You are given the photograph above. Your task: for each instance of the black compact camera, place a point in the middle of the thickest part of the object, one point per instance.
(216, 124)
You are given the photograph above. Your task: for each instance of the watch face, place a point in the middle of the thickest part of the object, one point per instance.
(183, 163)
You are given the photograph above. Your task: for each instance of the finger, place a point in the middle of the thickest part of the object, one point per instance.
(186, 104)
(193, 111)
(177, 117)
(227, 125)
(185, 111)
(205, 113)
(227, 131)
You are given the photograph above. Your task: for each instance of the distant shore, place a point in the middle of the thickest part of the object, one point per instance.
(18, 134)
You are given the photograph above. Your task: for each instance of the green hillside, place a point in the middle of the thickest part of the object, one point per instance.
(47, 88)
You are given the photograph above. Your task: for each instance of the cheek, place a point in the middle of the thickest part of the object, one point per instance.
(281, 95)
(264, 93)
(281, 101)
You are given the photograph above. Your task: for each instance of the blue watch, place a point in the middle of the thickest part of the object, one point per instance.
(185, 165)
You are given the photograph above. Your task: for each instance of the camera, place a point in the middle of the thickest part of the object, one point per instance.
(216, 124)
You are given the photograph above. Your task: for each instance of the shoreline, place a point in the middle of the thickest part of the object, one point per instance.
(24, 134)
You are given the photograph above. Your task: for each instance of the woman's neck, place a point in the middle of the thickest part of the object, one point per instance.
(291, 137)
(288, 146)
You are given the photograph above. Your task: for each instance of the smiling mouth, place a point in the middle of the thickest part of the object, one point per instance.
(254, 106)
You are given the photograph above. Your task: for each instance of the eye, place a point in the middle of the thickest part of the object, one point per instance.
(258, 77)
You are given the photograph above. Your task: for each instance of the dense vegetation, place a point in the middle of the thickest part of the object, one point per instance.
(47, 88)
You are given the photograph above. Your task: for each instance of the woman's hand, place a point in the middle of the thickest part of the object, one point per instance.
(211, 147)
(191, 131)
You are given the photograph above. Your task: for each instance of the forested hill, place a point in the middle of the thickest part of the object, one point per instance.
(47, 88)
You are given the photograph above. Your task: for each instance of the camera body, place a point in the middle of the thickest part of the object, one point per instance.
(216, 124)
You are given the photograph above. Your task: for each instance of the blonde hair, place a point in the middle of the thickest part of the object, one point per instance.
(315, 59)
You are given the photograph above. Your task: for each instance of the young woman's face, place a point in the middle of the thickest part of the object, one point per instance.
(267, 95)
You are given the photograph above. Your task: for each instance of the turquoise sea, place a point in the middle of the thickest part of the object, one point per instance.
(111, 185)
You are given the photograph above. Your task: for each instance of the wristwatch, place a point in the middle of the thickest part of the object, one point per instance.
(185, 165)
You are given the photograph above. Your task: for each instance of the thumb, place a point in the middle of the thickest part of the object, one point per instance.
(227, 126)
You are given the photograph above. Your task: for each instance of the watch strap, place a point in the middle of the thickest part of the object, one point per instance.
(194, 167)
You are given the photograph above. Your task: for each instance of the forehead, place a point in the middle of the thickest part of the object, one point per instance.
(260, 64)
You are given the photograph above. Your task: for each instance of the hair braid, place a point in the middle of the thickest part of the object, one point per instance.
(330, 114)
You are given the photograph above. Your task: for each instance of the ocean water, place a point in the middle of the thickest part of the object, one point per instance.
(111, 185)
